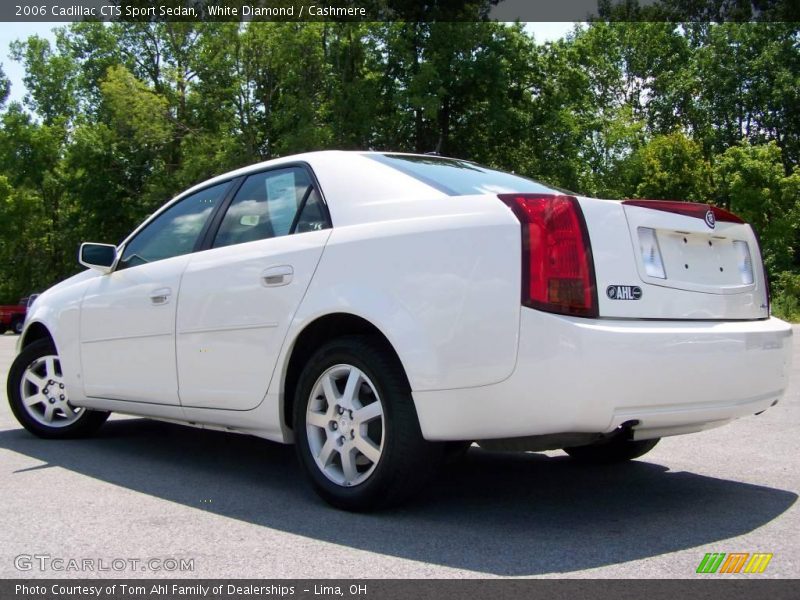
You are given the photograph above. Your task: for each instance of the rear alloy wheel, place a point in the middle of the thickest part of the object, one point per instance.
(356, 428)
(38, 398)
(345, 430)
(611, 450)
(18, 326)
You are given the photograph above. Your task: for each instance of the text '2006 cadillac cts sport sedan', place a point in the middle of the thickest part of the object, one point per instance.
(384, 310)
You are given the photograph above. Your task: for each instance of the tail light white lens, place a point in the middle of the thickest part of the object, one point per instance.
(744, 261)
(651, 253)
(557, 267)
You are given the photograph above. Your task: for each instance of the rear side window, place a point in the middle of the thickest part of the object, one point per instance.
(460, 177)
(313, 216)
(267, 206)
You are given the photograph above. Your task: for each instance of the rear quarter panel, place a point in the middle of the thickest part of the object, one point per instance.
(439, 277)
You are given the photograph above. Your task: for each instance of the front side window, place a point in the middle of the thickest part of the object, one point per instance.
(175, 231)
(266, 206)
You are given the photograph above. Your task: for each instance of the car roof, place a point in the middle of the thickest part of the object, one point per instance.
(336, 171)
(312, 158)
(348, 180)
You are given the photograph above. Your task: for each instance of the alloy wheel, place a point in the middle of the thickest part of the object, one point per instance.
(43, 394)
(345, 425)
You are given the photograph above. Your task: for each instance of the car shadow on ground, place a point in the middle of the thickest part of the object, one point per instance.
(502, 514)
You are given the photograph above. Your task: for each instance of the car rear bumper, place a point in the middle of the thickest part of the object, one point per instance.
(594, 375)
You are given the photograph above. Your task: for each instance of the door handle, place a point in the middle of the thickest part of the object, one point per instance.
(160, 296)
(277, 276)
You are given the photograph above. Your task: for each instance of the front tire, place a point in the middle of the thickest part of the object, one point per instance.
(615, 449)
(357, 433)
(17, 326)
(38, 398)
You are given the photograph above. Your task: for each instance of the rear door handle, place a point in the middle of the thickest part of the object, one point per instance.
(277, 276)
(160, 296)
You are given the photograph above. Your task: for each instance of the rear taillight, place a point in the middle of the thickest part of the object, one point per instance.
(688, 209)
(557, 267)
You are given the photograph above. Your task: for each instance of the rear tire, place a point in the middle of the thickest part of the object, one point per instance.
(38, 398)
(356, 428)
(17, 326)
(612, 450)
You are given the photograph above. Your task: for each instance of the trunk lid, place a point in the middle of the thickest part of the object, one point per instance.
(674, 260)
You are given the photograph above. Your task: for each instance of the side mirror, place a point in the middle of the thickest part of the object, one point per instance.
(100, 257)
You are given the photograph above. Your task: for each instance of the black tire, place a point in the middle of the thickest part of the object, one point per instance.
(406, 460)
(87, 422)
(17, 326)
(3, 329)
(615, 449)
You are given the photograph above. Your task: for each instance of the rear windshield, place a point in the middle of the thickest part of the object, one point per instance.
(459, 177)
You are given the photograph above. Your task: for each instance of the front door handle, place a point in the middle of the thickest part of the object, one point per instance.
(160, 296)
(277, 276)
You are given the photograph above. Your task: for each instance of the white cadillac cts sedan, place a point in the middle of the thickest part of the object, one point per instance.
(384, 310)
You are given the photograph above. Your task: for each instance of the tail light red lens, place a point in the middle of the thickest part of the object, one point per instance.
(557, 266)
(688, 209)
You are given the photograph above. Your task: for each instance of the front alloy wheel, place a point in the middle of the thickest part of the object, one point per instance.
(43, 395)
(356, 428)
(38, 398)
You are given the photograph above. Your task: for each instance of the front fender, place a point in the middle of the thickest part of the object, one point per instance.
(58, 310)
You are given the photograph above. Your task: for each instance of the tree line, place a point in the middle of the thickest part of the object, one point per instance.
(118, 118)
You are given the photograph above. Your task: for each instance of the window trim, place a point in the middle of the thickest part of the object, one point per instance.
(209, 231)
(300, 208)
(215, 222)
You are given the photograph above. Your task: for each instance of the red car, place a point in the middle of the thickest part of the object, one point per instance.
(13, 316)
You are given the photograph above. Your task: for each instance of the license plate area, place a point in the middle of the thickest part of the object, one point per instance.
(706, 262)
(695, 256)
(698, 258)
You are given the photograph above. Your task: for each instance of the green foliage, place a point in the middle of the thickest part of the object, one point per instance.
(135, 111)
(751, 181)
(50, 79)
(5, 87)
(786, 296)
(670, 166)
(123, 116)
(22, 247)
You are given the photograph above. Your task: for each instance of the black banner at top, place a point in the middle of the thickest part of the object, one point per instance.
(399, 10)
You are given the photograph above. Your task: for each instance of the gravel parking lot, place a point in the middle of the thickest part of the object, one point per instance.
(239, 506)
